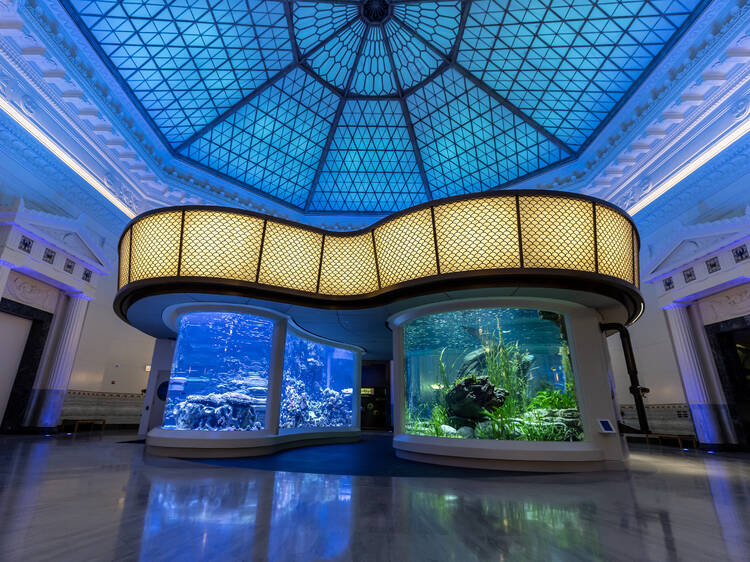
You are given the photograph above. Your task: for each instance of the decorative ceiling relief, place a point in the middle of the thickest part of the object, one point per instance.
(375, 105)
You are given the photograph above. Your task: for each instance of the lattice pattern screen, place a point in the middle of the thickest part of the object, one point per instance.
(614, 242)
(636, 261)
(221, 244)
(348, 266)
(124, 269)
(291, 257)
(156, 246)
(477, 234)
(557, 233)
(406, 248)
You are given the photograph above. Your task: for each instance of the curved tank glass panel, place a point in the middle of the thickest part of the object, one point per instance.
(219, 378)
(490, 373)
(317, 387)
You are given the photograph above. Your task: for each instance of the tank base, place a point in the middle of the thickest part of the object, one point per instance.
(215, 446)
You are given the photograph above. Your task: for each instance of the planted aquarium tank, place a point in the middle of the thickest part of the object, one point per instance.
(219, 378)
(490, 373)
(317, 385)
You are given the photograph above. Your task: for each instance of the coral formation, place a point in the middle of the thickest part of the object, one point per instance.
(228, 411)
(312, 393)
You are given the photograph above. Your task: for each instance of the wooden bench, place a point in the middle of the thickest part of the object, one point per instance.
(659, 437)
(76, 423)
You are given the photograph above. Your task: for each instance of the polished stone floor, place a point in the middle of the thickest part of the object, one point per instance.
(92, 498)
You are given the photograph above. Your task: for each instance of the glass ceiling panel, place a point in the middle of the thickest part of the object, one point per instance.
(371, 164)
(567, 64)
(470, 142)
(274, 143)
(185, 61)
(376, 105)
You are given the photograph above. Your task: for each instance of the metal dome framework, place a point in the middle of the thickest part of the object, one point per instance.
(378, 105)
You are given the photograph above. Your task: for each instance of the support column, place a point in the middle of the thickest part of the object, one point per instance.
(275, 376)
(703, 407)
(152, 413)
(47, 400)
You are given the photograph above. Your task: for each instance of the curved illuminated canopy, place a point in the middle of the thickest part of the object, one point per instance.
(378, 105)
(532, 238)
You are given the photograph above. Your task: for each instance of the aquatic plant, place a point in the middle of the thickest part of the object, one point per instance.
(508, 367)
(553, 400)
(438, 419)
(463, 401)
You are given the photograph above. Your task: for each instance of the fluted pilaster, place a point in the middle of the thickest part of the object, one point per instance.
(697, 391)
(45, 404)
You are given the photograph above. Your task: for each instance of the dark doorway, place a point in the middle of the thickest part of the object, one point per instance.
(376, 396)
(32, 355)
(730, 343)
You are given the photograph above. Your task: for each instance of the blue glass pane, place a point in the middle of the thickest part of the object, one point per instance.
(371, 164)
(490, 373)
(335, 60)
(414, 61)
(219, 376)
(567, 64)
(314, 22)
(274, 143)
(435, 21)
(318, 385)
(469, 142)
(186, 62)
(374, 73)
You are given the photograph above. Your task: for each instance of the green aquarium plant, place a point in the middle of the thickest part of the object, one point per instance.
(508, 367)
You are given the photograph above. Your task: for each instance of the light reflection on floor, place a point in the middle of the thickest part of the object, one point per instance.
(95, 499)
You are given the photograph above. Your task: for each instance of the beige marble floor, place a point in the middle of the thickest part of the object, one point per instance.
(90, 499)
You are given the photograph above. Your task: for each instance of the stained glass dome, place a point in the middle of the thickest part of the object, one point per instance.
(378, 105)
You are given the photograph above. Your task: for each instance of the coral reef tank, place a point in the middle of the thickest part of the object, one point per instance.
(317, 385)
(490, 373)
(219, 376)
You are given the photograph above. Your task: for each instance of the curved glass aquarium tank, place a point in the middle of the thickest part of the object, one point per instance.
(490, 373)
(220, 370)
(317, 388)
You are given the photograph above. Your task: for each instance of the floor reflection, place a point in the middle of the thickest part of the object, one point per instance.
(66, 499)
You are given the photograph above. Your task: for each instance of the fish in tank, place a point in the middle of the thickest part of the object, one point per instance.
(490, 373)
(219, 379)
(317, 387)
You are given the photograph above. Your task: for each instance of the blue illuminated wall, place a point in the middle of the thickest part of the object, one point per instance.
(220, 372)
(319, 106)
(317, 388)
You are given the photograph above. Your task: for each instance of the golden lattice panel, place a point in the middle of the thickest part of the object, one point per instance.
(406, 248)
(291, 257)
(557, 233)
(477, 234)
(637, 262)
(124, 268)
(348, 266)
(155, 246)
(221, 244)
(614, 243)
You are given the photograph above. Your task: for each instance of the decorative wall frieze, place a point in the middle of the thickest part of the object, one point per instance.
(732, 303)
(702, 260)
(55, 250)
(29, 291)
(700, 84)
